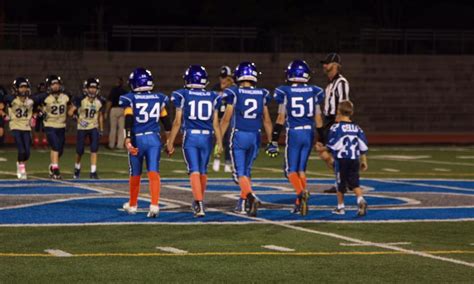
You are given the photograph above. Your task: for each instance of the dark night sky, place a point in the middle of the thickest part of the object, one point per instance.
(262, 14)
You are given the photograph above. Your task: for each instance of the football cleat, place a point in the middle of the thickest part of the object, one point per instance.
(129, 209)
(330, 190)
(339, 211)
(227, 168)
(362, 208)
(198, 209)
(50, 170)
(77, 173)
(240, 208)
(153, 212)
(304, 197)
(216, 165)
(93, 175)
(272, 149)
(296, 209)
(252, 204)
(56, 174)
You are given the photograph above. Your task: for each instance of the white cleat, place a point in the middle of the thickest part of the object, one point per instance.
(130, 209)
(216, 165)
(23, 176)
(154, 211)
(227, 168)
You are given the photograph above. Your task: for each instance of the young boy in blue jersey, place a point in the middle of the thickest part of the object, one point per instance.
(297, 109)
(246, 110)
(197, 111)
(143, 109)
(348, 146)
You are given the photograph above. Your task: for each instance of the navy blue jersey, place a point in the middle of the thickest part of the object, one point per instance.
(198, 107)
(147, 107)
(248, 103)
(300, 102)
(347, 141)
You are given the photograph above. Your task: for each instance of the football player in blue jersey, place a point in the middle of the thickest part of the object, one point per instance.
(197, 111)
(246, 110)
(143, 110)
(348, 145)
(297, 109)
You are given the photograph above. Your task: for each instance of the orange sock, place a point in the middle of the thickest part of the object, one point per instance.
(296, 182)
(203, 184)
(245, 187)
(134, 187)
(303, 181)
(195, 179)
(155, 186)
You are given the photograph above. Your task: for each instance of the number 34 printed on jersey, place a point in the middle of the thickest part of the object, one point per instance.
(147, 112)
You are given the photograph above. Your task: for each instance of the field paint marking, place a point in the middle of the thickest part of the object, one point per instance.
(58, 253)
(172, 250)
(417, 149)
(390, 170)
(47, 202)
(252, 253)
(361, 245)
(281, 171)
(126, 156)
(441, 170)
(425, 161)
(465, 157)
(400, 157)
(178, 187)
(277, 248)
(424, 184)
(3, 159)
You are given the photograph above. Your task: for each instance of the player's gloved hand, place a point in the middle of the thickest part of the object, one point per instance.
(218, 150)
(272, 149)
(132, 150)
(101, 132)
(33, 121)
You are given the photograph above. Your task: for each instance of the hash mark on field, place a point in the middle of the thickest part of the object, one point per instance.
(390, 170)
(172, 250)
(441, 170)
(3, 159)
(58, 253)
(363, 245)
(277, 248)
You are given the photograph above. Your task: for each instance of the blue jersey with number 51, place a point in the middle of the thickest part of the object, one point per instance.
(347, 141)
(248, 103)
(198, 107)
(147, 107)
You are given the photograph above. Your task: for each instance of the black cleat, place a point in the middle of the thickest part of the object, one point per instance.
(338, 211)
(56, 174)
(198, 209)
(93, 175)
(252, 204)
(330, 190)
(362, 208)
(77, 173)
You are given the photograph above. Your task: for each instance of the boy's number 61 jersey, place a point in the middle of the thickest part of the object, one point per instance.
(198, 107)
(147, 108)
(300, 103)
(347, 141)
(248, 103)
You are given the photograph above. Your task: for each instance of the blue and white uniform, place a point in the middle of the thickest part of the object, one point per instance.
(246, 124)
(299, 102)
(347, 143)
(198, 106)
(147, 107)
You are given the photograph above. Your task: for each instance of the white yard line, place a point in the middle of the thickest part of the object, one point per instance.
(441, 170)
(425, 161)
(172, 250)
(363, 245)
(58, 253)
(424, 184)
(277, 248)
(390, 170)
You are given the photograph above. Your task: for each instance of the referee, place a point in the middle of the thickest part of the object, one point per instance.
(336, 91)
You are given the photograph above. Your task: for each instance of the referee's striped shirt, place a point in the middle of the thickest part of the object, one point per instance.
(336, 92)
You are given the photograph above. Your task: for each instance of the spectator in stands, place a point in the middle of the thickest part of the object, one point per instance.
(117, 120)
(337, 91)
(3, 113)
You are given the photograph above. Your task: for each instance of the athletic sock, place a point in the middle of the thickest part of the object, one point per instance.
(134, 186)
(203, 184)
(303, 181)
(340, 206)
(54, 166)
(296, 182)
(245, 187)
(195, 180)
(93, 168)
(155, 186)
(77, 166)
(360, 199)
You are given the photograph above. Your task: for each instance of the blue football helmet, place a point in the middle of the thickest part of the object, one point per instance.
(196, 77)
(141, 80)
(298, 71)
(246, 71)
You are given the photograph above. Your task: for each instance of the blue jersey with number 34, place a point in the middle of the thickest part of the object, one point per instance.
(249, 103)
(347, 141)
(147, 107)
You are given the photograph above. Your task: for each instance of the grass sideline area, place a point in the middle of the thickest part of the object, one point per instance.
(236, 253)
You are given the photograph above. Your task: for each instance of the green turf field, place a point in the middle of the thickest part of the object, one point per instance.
(427, 252)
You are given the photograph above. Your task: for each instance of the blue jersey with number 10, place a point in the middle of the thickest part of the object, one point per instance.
(300, 102)
(147, 107)
(198, 107)
(347, 141)
(248, 103)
